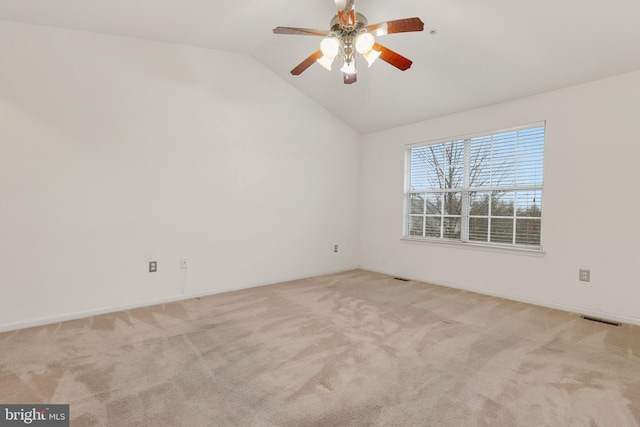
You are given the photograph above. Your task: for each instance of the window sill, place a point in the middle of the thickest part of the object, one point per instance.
(512, 250)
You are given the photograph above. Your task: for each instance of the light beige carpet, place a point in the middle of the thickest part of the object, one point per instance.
(350, 349)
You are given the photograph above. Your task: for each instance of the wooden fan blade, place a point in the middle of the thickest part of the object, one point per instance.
(306, 63)
(301, 31)
(349, 78)
(398, 26)
(393, 58)
(346, 13)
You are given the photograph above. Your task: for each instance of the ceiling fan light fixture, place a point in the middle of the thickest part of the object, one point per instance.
(349, 67)
(364, 43)
(325, 61)
(330, 47)
(371, 56)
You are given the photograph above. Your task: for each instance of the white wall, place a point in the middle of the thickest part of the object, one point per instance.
(591, 203)
(118, 151)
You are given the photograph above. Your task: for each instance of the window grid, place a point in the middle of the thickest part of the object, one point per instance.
(505, 168)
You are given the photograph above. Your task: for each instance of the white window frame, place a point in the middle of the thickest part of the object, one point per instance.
(465, 214)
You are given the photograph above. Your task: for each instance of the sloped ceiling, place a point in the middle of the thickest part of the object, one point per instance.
(483, 52)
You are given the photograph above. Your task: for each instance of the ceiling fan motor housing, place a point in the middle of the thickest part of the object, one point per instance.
(361, 21)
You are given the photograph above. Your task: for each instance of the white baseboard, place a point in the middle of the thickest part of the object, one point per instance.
(173, 298)
(181, 297)
(542, 303)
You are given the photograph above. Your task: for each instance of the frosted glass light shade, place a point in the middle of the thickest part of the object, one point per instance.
(364, 43)
(349, 67)
(371, 56)
(325, 62)
(330, 47)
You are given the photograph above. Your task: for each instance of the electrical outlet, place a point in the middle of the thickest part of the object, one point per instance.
(585, 275)
(183, 263)
(153, 266)
(335, 248)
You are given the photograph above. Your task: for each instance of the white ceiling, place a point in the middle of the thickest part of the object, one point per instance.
(484, 52)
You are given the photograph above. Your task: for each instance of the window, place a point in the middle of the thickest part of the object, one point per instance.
(478, 189)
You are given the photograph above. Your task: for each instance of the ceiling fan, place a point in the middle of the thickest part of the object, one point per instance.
(349, 34)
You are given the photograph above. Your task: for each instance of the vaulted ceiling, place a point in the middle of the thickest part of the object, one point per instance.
(480, 52)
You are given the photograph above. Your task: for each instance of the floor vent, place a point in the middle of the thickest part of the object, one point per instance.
(402, 279)
(595, 319)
